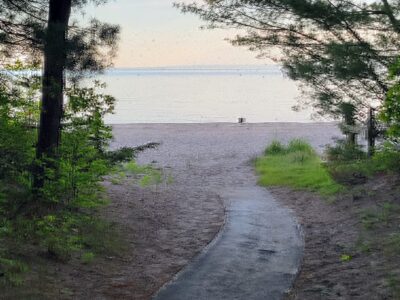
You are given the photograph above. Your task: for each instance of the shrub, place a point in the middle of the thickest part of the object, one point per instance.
(356, 171)
(18, 113)
(344, 151)
(388, 158)
(390, 112)
(60, 219)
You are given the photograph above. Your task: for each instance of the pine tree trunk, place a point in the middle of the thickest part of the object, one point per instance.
(52, 85)
(371, 133)
(351, 138)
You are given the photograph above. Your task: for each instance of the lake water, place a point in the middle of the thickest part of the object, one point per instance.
(198, 95)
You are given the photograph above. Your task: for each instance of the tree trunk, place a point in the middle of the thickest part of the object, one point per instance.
(352, 138)
(371, 132)
(52, 86)
(348, 111)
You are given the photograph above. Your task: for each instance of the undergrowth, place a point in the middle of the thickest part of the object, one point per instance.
(143, 175)
(61, 220)
(385, 160)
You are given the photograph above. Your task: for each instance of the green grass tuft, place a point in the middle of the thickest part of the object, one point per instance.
(275, 147)
(298, 145)
(87, 258)
(296, 166)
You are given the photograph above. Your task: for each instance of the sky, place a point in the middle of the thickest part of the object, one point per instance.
(155, 34)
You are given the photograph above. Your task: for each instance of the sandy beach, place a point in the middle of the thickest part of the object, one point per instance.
(167, 226)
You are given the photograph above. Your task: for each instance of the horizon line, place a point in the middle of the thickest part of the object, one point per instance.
(196, 66)
(178, 68)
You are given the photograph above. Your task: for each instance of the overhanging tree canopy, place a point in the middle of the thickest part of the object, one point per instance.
(43, 29)
(340, 50)
(23, 25)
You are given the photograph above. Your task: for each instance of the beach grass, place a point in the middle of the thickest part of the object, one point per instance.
(296, 165)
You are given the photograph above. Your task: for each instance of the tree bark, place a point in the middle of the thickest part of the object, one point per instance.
(372, 132)
(52, 86)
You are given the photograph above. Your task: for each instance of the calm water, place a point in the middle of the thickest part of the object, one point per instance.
(202, 95)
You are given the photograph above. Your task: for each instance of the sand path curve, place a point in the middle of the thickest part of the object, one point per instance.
(257, 253)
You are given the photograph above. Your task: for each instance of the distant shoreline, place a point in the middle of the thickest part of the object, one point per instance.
(202, 67)
(226, 123)
(271, 70)
(199, 68)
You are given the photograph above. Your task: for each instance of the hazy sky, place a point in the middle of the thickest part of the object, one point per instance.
(156, 34)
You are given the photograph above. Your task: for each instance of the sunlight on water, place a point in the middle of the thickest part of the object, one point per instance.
(197, 95)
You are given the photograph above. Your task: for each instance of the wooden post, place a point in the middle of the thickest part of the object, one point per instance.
(241, 120)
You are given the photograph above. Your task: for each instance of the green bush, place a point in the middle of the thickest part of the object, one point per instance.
(344, 151)
(18, 113)
(385, 160)
(388, 158)
(60, 220)
(390, 112)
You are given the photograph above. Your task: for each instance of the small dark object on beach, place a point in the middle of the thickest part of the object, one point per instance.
(242, 120)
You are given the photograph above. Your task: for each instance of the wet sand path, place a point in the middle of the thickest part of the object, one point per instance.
(255, 256)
